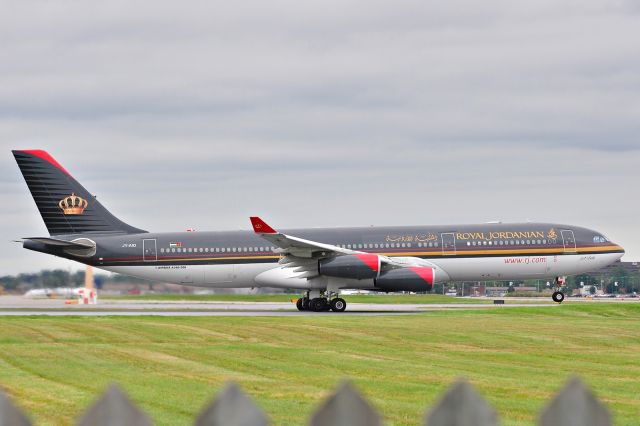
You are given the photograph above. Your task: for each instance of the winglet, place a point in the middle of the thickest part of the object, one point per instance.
(260, 226)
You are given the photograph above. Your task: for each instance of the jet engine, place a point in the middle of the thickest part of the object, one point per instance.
(413, 278)
(355, 266)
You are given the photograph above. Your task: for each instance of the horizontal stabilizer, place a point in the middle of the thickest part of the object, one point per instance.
(60, 243)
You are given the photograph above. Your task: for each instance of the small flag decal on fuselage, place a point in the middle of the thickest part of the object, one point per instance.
(175, 245)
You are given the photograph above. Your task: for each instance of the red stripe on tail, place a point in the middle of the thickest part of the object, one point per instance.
(46, 157)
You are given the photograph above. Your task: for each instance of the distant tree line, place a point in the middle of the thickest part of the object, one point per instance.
(60, 278)
(615, 279)
(611, 280)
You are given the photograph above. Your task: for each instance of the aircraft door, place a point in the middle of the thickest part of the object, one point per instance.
(448, 243)
(149, 250)
(569, 241)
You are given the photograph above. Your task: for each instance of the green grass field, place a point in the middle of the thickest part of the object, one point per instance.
(517, 358)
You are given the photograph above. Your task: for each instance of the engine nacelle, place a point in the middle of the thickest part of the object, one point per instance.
(413, 278)
(355, 266)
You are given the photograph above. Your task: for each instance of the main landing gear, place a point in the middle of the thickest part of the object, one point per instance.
(321, 303)
(558, 295)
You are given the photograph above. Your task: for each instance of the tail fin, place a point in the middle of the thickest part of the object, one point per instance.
(65, 206)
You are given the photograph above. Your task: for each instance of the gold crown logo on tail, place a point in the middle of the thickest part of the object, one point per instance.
(73, 204)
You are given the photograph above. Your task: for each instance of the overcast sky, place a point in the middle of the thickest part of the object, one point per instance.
(327, 113)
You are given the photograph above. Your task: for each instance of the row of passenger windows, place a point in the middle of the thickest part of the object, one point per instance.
(506, 243)
(347, 246)
(217, 249)
(271, 248)
(383, 245)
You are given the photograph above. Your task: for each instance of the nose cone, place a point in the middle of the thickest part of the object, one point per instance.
(620, 250)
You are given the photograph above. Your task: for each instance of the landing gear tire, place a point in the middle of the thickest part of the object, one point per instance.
(318, 304)
(302, 304)
(557, 296)
(338, 305)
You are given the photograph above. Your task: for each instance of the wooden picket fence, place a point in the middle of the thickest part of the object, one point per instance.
(461, 405)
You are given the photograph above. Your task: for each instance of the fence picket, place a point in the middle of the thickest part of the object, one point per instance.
(575, 405)
(461, 406)
(10, 415)
(232, 408)
(114, 409)
(346, 407)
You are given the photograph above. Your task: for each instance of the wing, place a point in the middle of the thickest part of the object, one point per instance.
(292, 245)
(298, 253)
(311, 259)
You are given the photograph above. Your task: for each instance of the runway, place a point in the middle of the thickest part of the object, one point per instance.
(18, 305)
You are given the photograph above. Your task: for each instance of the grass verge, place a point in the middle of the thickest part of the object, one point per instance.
(517, 358)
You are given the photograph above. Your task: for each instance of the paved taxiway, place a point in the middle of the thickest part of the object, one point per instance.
(18, 305)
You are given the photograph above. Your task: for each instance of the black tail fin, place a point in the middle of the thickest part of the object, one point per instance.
(65, 206)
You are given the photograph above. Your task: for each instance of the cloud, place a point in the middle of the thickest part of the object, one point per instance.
(327, 113)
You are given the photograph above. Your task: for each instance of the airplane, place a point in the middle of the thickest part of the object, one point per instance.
(319, 262)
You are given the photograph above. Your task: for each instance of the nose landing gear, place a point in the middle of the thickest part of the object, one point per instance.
(558, 295)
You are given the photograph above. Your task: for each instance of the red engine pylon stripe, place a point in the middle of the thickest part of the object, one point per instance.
(423, 272)
(371, 260)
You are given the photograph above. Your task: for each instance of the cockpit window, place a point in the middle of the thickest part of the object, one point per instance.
(599, 239)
